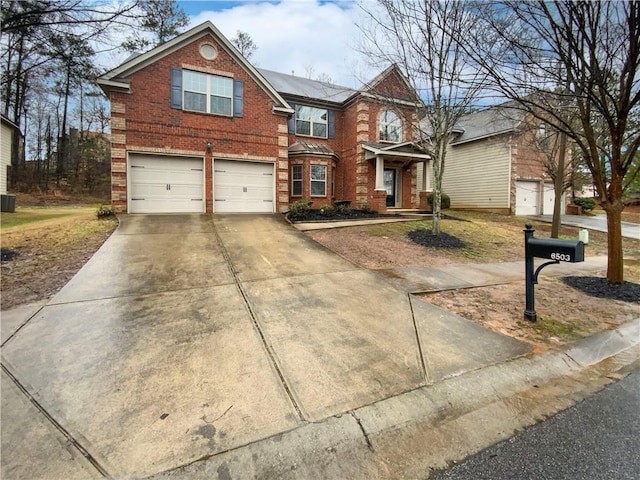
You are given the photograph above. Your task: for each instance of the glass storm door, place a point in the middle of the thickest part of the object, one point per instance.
(390, 186)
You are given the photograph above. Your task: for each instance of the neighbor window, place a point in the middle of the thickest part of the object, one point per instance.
(318, 180)
(390, 127)
(296, 180)
(208, 93)
(311, 121)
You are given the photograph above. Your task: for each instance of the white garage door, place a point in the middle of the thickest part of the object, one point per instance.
(549, 198)
(242, 187)
(160, 184)
(527, 198)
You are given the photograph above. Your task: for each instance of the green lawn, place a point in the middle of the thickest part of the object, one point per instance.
(27, 215)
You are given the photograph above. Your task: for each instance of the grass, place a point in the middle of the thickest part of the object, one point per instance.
(28, 215)
(497, 238)
(550, 326)
(51, 244)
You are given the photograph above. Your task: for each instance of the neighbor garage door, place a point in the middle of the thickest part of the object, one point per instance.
(242, 186)
(527, 198)
(162, 184)
(549, 198)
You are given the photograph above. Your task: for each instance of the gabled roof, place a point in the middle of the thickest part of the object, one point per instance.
(118, 77)
(306, 88)
(490, 122)
(370, 88)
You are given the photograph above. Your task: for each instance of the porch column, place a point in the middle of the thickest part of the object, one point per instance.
(425, 176)
(379, 172)
(379, 199)
(424, 193)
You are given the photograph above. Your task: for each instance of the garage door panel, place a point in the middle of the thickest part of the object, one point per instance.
(243, 187)
(165, 184)
(527, 198)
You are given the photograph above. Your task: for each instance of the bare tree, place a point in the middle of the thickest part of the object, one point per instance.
(245, 44)
(425, 40)
(593, 50)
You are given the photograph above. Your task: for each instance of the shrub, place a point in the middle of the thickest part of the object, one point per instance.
(328, 210)
(298, 210)
(586, 203)
(366, 208)
(343, 206)
(104, 211)
(445, 201)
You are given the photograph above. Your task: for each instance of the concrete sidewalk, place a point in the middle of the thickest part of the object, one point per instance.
(452, 277)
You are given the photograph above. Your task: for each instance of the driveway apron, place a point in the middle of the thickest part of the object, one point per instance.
(188, 335)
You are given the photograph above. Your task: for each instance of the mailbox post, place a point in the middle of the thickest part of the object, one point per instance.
(551, 248)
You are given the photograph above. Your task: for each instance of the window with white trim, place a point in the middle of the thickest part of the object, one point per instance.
(296, 180)
(390, 127)
(207, 93)
(311, 121)
(318, 180)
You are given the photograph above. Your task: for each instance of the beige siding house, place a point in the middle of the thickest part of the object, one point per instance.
(6, 142)
(492, 166)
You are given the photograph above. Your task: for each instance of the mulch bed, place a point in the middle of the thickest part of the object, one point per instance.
(601, 288)
(426, 238)
(316, 215)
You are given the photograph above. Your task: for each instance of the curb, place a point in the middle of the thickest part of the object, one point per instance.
(413, 433)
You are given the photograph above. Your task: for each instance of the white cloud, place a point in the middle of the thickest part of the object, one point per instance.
(294, 35)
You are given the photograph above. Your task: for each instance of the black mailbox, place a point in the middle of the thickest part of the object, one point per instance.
(554, 249)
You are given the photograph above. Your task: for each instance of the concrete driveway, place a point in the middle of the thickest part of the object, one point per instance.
(189, 335)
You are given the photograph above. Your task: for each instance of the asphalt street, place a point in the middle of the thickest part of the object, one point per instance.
(595, 439)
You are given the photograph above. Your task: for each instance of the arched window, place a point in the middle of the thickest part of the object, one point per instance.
(390, 127)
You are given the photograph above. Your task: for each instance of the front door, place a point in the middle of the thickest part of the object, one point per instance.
(390, 186)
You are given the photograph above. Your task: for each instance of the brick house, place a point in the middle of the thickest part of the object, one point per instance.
(494, 165)
(196, 128)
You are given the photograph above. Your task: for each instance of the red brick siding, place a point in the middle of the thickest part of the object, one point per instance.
(152, 125)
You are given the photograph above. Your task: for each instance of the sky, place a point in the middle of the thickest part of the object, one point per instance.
(307, 37)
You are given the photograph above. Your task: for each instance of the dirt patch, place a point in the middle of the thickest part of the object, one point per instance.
(565, 313)
(45, 255)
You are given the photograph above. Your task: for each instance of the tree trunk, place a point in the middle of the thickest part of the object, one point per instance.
(438, 166)
(615, 266)
(558, 186)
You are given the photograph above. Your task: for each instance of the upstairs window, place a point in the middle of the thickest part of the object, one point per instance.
(311, 121)
(390, 127)
(206, 93)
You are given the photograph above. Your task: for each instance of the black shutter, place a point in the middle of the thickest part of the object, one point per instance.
(292, 120)
(176, 87)
(238, 92)
(332, 124)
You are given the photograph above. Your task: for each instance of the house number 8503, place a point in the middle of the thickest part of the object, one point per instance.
(564, 257)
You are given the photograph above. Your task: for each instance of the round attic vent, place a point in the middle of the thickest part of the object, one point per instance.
(208, 51)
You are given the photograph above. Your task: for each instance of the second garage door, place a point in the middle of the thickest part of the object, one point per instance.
(527, 198)
(240, 187)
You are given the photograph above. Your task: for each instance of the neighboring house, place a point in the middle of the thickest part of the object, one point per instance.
(493, 165)
(7, 143)
(196, 128)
